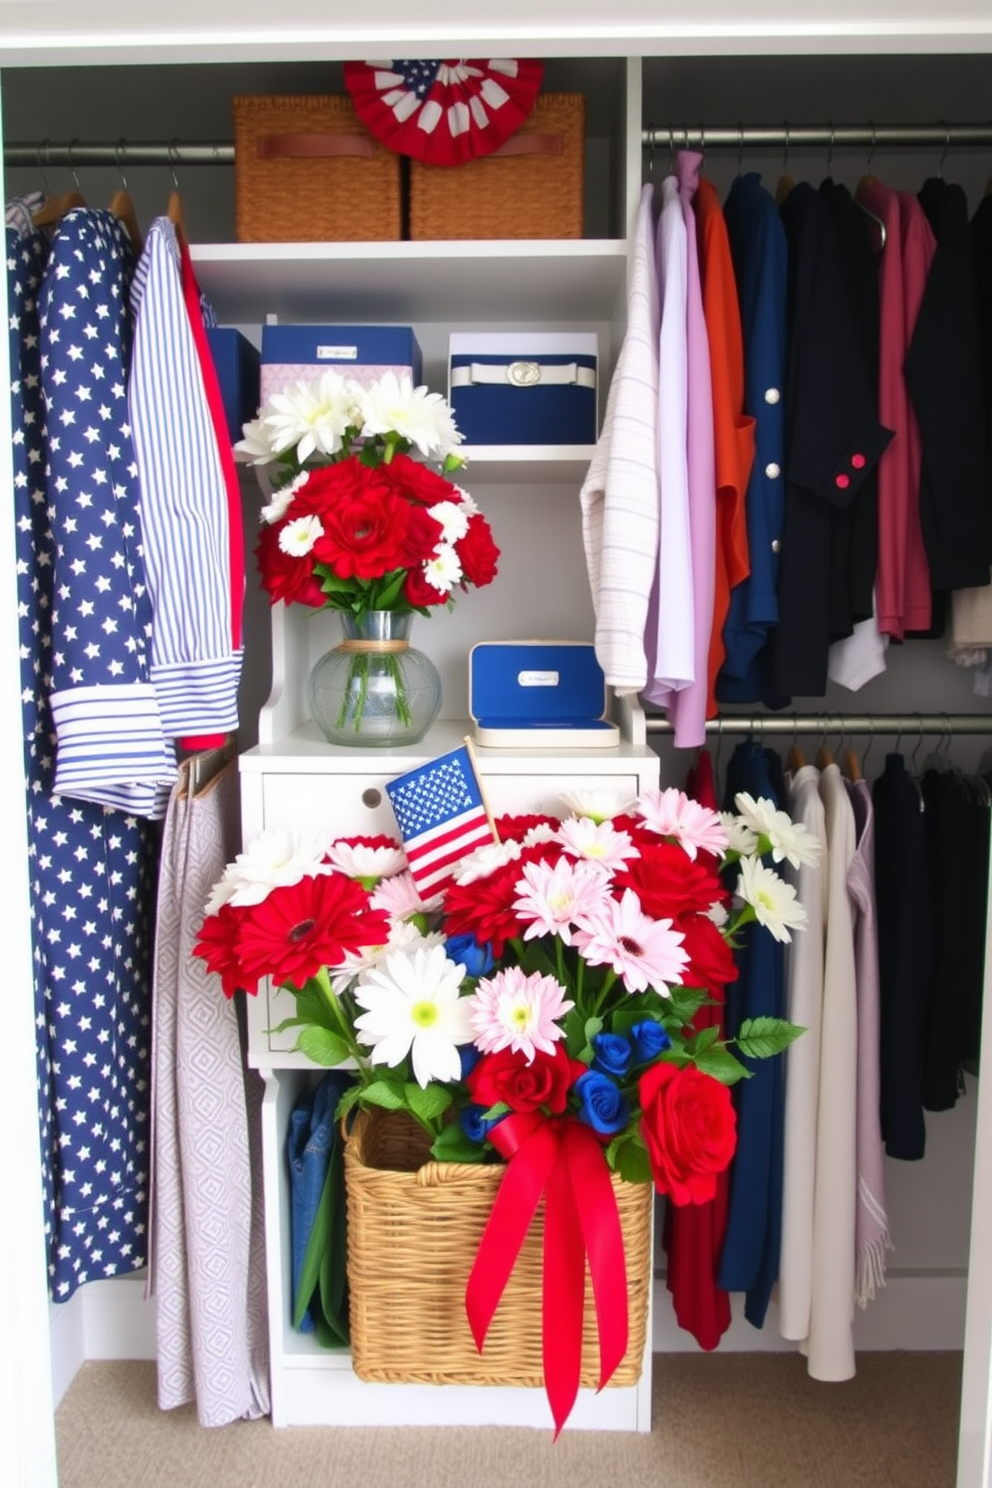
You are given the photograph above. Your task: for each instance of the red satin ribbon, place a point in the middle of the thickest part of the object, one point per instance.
(560, 1158)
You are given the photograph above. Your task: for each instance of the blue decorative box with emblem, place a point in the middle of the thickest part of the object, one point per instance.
(236, 363)
(538, 695)
(518, 387)
(299, 353)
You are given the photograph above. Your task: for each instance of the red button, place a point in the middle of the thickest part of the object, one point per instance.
(858, 462)
(842, 482)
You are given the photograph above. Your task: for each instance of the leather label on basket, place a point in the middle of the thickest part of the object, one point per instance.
(530, 144)
(312, 146)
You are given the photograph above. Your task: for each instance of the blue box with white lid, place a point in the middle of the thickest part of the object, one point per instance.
(299, 353)
(538, 695)
(235, 361)
(524, 387)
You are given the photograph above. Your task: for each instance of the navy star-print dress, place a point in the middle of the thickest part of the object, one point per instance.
(92, 865)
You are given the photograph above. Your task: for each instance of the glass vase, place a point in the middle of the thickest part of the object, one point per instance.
(374, 690)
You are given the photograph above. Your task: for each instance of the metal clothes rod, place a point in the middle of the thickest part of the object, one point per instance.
(819, 137)
(838, 723)
(121, 153)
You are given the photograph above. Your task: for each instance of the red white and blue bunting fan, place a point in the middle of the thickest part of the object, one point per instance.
(444, 113)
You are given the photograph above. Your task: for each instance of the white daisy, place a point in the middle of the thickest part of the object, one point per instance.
(788, 839)
(298, 536)
(773, 900)
(392, 405)
(412, 1006)
(361, 860)
(453, 519)
(444, 569)
(485, 860)
(402, 937)
(741, 838)
(601, 805)
(313, 416)
(282, 499)
(256, 443)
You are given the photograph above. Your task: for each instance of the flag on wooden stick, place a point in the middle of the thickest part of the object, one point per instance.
(442, 816)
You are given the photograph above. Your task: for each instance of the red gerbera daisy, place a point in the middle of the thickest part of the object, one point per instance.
(217, 945)
(298, 929)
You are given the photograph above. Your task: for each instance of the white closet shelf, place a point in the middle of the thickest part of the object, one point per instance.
(513, 464)
(582, 279)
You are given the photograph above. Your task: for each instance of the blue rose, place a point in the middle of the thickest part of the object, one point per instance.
(469, 1056)
(477, 960)
(601, 1105)
(474, 1124)
(650, 1040)
(612, 1054)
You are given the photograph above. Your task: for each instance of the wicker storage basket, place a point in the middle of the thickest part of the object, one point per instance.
(307, 170)
(532, 187)
(413, 1230)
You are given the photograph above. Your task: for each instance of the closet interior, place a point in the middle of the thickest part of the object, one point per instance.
(157, 129)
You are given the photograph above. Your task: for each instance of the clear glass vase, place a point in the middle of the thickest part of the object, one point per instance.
(374, 689)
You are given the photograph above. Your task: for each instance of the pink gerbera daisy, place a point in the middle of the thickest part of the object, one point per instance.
(643, 952)
(671, 813)
(553, 896)
(600, 842)
(512, 1010)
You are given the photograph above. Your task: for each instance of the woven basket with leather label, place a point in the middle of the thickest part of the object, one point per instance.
(414, 1226)
(307, 170)
(531, 187)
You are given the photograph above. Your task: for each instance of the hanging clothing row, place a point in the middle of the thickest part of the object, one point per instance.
(130, 582)
(793, 468)
(886, 979)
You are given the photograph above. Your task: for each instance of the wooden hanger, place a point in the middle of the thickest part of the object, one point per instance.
(823, 754)
(122, 206)
(174, 211)
(56, 207)
(850, 764)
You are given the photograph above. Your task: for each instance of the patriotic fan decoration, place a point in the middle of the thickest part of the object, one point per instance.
(447, 112)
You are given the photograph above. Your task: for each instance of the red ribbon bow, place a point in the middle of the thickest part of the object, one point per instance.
(561, 1159)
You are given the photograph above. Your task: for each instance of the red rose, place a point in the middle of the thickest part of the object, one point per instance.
(478, 553)
(668, 882)
(507, 1077)
(423, 534)
(419, 593)
(711, 961)
(690, 1129)
(515, 828)
(418, 482)
(285, 577)
(364, 521)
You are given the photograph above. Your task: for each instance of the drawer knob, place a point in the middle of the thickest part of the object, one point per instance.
(371, 797)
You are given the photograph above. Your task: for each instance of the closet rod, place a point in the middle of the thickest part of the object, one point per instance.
(838, 723)
(819, 137)
(121, 153)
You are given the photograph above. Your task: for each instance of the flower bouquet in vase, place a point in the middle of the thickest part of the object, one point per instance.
(536, 1024)
(357, 524)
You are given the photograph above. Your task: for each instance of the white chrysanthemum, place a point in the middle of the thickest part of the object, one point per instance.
(274, 859)
(313, 416)
(485, 860)
(298, 536)
(788, 839)
(392, 405)
(540, 832)
(256, 443)
(282, 499)
(468, 501)
(600, 805)
(740, 837)
(443, 569)
(362, 860)
(412, 1006)
(453, 519)
(773, 900)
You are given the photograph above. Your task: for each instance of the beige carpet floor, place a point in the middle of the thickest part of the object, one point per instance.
(720, 1421)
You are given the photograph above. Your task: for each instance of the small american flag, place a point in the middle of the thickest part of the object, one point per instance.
(442, 817)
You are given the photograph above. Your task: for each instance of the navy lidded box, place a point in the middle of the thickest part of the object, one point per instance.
(295, 353)
(519, 387)
(236, 363)
(538, 695)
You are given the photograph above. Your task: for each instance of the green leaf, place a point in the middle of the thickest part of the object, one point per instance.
(760, 1038)
(702, 1041)
(721, 1064)
(322, 1046)
(629, 1158)
(684, 1004)
(348, 1101)
(452, 1145)
(575, 1033)
(427, 1104)
(385, 1093)
(493, 1113)
(311, 1006)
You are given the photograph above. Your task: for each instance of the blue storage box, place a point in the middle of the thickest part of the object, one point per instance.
(294, 353)
(237, 364)
(512, 387)
(538, 695)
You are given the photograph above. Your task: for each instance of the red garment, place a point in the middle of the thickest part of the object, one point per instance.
(902, 590)
(236, 549)
(693, 1234)
(733, 430)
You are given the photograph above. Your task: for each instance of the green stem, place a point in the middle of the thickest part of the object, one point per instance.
(323, 980)
(603, 992)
